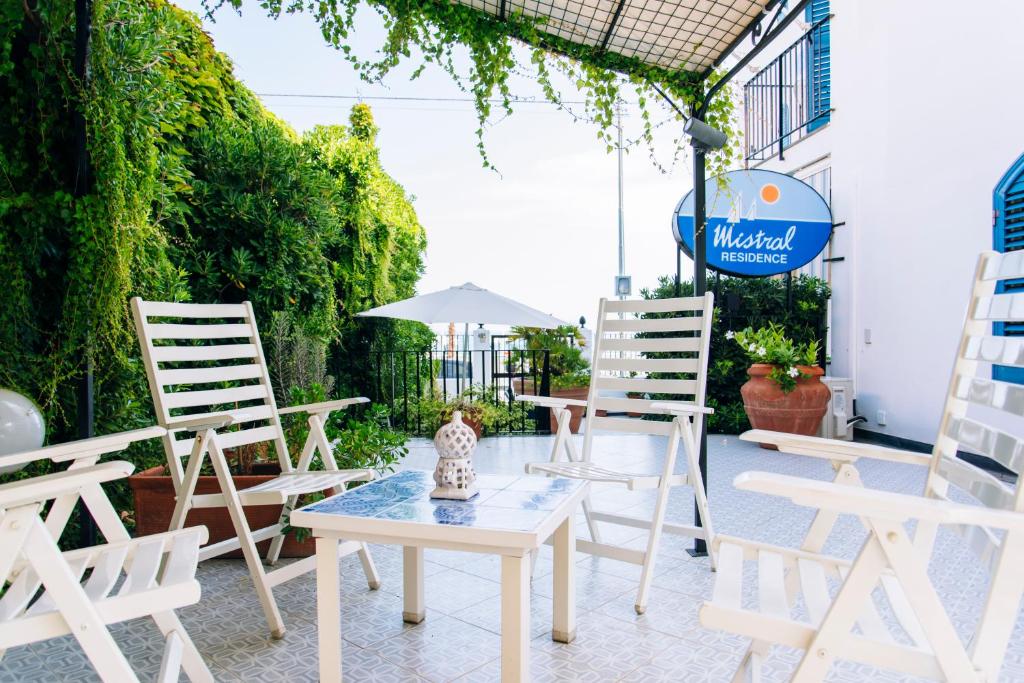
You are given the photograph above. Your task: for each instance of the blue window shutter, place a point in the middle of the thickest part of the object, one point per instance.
(1008, 235)
(819, 63)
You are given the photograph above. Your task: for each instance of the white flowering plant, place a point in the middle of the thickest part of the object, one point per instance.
(769, 345)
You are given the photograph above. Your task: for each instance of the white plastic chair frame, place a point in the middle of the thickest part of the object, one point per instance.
(623, 363)
(993, 529)
(50, 594)
(222, 346)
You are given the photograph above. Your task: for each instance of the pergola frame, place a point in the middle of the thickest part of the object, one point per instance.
(782, 14)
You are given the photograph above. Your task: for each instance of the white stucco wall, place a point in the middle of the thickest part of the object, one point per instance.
(928, 115)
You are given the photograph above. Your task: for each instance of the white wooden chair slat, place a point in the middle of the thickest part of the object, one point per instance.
(1008, 266)
(685, 303)
(814, 586)
(986, 488)
(241, 437)
(993, 530)
(691, 365)
(657, 344)
(903, 611)
(19, 594)
(685, 387)
(992, 394)
(684, 330)
(141, 576)
(870, 621)
(45, 603)
(238, 415)
(632, 405)
(687, 324)
(195, 354)
(1004, 448)
(998, 350)
(771, 585)
(209, 375)
(629, 425)
(181, 562)
(728, 590)
(161, 309)
(191, 399)
(179, 331)
(106, 570)
(213, 335)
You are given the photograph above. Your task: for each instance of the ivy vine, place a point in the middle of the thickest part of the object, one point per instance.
(436, 29)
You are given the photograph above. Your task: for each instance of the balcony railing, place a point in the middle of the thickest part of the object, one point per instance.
(790, 97)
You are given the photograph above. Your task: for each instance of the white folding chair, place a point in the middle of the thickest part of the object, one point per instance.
(675, 335)
(208, 358)
(81, 592)
(889, 576)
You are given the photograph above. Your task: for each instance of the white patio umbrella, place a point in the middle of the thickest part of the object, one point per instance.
(465, 304)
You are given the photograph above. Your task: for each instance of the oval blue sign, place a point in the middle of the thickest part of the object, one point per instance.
(762, 223)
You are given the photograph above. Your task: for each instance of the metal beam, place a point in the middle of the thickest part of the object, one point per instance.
(611, 25)
(746, 59)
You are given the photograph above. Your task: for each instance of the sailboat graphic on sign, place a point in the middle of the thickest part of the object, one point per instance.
(736, 210)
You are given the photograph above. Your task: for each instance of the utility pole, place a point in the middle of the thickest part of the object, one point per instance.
(622, 208)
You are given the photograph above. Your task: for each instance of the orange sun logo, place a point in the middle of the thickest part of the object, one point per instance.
(770, 193)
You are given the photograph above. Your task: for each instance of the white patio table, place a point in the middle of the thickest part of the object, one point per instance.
(511, 517)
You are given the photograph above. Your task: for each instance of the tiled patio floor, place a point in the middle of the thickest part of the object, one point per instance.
(459, 639)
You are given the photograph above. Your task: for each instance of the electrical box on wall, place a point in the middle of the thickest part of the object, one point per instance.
(836, 423)
(481, 338)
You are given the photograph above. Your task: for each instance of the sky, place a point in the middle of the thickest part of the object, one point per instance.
(543, 229)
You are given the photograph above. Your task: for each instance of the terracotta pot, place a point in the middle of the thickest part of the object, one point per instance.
(153, 492)
(798, 412)
(575, 412)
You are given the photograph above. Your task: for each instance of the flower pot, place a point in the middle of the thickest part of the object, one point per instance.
(575, 412)
(153, 492)
(798, 412)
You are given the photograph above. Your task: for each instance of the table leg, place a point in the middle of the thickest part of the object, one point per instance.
(515, 619)
(328, 609)
(563, 627)
(413, 611)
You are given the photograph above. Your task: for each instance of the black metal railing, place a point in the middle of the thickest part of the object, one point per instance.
(789, 98)
(416, 385)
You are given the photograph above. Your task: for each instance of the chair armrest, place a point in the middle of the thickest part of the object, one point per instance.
(97, 445)
(833, 449)
(855, 500)
(323, 406)
(551, 401)
(682, 408)
(208, 421)
(49, 486)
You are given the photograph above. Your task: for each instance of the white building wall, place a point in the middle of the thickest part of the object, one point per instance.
(928, 114)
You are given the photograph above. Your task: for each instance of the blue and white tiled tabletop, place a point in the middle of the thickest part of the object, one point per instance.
(504, 503)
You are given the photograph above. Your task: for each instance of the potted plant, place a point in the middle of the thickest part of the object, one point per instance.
(784, 392)
(570, 371)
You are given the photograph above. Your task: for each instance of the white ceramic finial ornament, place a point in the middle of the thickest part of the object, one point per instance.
(454, 475)
(21, 427)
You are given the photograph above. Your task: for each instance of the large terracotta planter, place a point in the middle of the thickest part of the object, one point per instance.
(798, 412)
(153, 492)
(575, 412)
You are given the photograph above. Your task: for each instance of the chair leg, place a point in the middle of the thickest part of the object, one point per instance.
(750, 667)
(657, 521)
(369, 568)
(188, 656)
(692, 451)
(565, 436)
(170, 665)
(248, 547)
